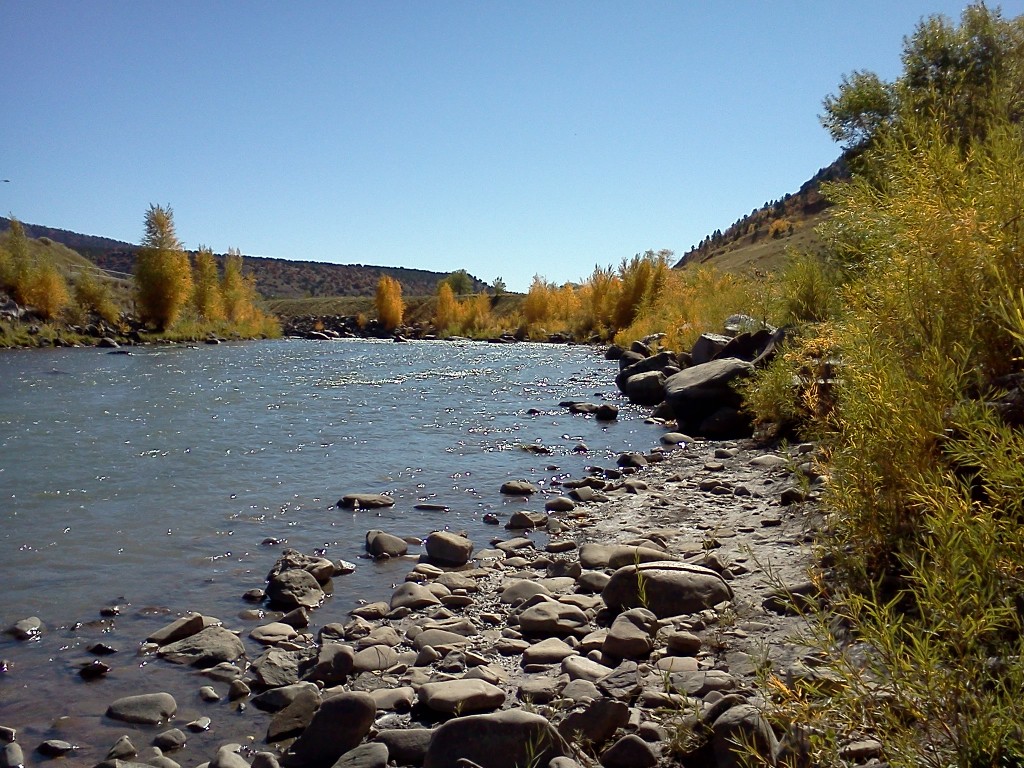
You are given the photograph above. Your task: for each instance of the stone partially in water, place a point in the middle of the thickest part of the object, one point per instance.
(144, 709)
(212, 646)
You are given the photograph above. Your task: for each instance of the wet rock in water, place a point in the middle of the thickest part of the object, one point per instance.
(448, 548)
(382, 544)
(518, 488)
(199, 725)
(238, 689)
(122, 749)
(277, 699)
(667, 588)
(144, 709)
(12, 756)
(102, 649)
(228, 757)
(55, 748)
(178, 629)
(606, 412)
(523, 519)
(209, 694)
(213, 645)
(647, 388)
(339, 725)
(277, 667)
(293, 719)
(629, 752)
(294, 588)
(26, 629)
(169, 740)
(93, 670)
(509, 739)
(365, 501)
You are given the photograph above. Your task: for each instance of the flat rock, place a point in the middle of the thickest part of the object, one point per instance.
(293, 719)
(553, 618)
(413, 596)
(582, 668)
(278, 667)
(273, 633)
(518, 488)
(365, 501)
(522, 589)
(549, 651)
(461, 696)
(178, 629)
(145, 708)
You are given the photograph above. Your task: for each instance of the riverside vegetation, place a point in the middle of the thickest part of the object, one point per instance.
(173, 298)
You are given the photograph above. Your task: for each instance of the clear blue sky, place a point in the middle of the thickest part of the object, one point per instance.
(507, 139)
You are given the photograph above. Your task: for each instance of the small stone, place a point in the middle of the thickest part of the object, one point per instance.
(123, 749)
(200, 724)
(145, 709)
(208, 693)
(55, 748)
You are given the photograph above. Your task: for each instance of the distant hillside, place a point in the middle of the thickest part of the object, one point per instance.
(760, 239)
(275, 278)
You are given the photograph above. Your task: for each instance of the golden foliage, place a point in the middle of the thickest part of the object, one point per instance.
(93, 294)
(206, 292)
(163, 274)
(388, 301)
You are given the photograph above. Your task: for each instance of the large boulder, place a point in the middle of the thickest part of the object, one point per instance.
(383, 544)
(294, 588)
(510, 739)
(707, 347)
(448, 548)
(666, 588)
(643, 365)
(205, 649)
(646, 388)
(697, 393)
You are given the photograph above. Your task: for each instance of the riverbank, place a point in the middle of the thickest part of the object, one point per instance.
(523, 626)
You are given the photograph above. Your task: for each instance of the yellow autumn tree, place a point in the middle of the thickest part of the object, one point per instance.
(446, 317)
(537, 303)
(389, 303)
(238, 290)
(163, 274)
(206, 293)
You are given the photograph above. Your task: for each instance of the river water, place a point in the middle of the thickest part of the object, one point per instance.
(153, 480)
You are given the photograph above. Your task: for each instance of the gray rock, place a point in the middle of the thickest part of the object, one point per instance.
(629, 752)
(273, 633)
(461, 696)
(265, 760)
(294, 588)
(171, 739)
(682, 643)
(55, 748)
(524, 519)
(596, 722)
(278, 698)
(553, 618)
(370, 755)
(406, 746)
(522, 589)
(549, 651)
(582, 668)
(377, 658)
(179, 629)
(12, 756)
(646, 388)
(334, 662)
(539, 689)
(211, 646)
(365, 501)
(339, 725)
(666, 588)
(694, 393)
(293, 719)
(448, 548)
(631, 635)
(440, 640)
(277, 667)
(398, 699)
(123, 749)
(623, 683)
(518, 488)
(228, 757)
(413, 596)
(381, 544)
(742, 724)
(509, 739)
(707, 347)
(145, 708)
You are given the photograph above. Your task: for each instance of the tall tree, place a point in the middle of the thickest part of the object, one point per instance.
(163, 275)
(238, 289)
(206, 295)
(389, 302)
